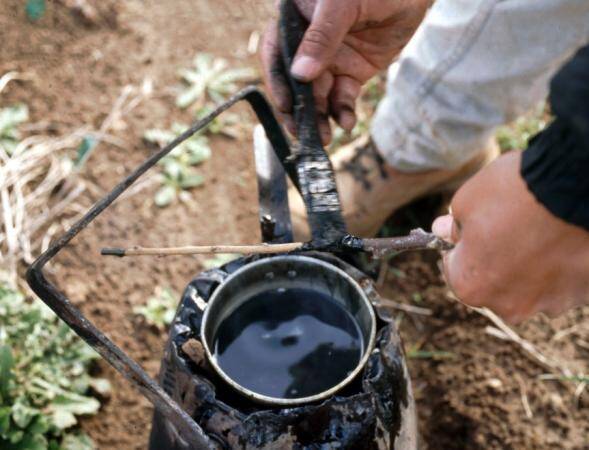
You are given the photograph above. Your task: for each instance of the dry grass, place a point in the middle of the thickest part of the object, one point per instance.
(40, 187)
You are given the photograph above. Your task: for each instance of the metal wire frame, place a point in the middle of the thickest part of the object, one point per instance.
(74, 318)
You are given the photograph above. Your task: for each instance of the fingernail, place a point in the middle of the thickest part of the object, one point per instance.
(347, 120)
(304, 68)
(442, 227)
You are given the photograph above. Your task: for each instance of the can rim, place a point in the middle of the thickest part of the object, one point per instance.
(300, 400)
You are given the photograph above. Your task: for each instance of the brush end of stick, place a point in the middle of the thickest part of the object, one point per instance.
(113, 252)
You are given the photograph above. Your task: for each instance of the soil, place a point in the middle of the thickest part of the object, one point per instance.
(469, 385)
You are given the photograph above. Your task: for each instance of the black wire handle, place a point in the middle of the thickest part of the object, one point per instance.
(190, 431)
(315, 172)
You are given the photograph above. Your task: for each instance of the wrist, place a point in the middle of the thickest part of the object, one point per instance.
(555, 168)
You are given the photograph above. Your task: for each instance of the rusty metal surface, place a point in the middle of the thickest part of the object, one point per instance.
(375, 412)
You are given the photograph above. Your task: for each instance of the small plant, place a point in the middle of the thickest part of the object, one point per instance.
(44, 378)
(209, 81)
(209, 78)
(178, 173)
(10, 118)
(160, 308)
(84, 151)
(516, 135)
(227, 124)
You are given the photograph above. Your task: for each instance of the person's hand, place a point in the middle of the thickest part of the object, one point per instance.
(512, 255)
(346, 44)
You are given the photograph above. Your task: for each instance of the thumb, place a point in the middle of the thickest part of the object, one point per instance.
(330, 23)
(443, 227)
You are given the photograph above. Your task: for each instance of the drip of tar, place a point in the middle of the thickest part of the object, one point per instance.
(288, 343)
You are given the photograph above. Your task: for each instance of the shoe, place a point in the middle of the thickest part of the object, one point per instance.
(370, 190)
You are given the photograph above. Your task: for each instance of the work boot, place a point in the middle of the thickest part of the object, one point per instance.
(370, 190)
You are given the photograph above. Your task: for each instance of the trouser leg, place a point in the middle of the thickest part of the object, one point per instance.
(472, 65)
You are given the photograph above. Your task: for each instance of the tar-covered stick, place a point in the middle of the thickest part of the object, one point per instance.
(379, 247)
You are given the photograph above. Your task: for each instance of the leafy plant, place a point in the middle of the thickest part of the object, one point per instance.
(10, 118)
(178, 173)
(209, 78)
(85, 148)
(227, 124)
(160, 308)
(516, 135)
(44, 378)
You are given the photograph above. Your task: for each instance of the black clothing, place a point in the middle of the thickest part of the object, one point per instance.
(556, 164)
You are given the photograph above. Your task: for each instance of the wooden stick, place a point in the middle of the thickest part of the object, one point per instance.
(406, 308)
(258, 249)
(416, 240)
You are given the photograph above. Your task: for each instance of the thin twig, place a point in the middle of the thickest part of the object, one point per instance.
(383, 272)
(417, 240)
(257, 249)
(524, 396)
(505, 332)
(8, 77)
(567, 331)
(578, 392)
(406, 308)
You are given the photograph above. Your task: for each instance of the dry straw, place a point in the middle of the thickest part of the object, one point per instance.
(40, 190)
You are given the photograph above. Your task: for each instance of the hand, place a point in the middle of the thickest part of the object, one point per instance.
(346, 44)
(512, 255)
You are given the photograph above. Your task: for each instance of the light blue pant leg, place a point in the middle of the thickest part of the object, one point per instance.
(472, 65)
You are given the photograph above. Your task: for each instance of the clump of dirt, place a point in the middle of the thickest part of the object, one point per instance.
(469, 385)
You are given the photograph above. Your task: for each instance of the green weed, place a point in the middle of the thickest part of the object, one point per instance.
(178, 171)
(515, 136)
(10, 118)
(44, 378)
(210, 79)
(160, 308)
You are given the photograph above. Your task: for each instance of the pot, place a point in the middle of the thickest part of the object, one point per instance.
(281, 274)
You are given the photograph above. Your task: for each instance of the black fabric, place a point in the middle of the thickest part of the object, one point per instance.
(556, 164)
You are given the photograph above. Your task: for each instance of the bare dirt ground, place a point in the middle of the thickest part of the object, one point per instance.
(471, 387)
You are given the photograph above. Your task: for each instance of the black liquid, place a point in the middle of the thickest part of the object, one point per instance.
(288, 343)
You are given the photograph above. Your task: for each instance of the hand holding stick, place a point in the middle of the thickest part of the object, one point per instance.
(378, 247)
